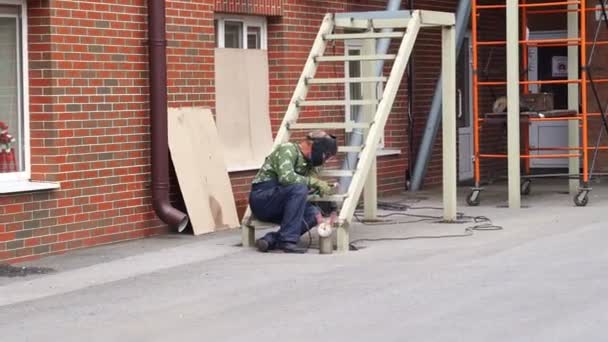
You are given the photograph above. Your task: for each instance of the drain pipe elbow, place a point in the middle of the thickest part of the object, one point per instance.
(157, 65)
(171, 216)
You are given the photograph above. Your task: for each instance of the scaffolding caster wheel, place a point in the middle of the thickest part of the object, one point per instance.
(473, 198)
(525, 187)
(581, 199)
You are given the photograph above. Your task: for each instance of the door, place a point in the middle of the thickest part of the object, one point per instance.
(549, 63)
(464, 110)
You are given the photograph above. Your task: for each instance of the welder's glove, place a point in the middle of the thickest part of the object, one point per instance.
(319, 185)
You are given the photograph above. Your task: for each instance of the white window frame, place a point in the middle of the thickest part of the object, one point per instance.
(22, 93)
(349, 45)
(247, 21)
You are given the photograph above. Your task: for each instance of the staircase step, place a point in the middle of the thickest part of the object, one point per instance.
(375, 19)
(331, 198)
(345, 80)
(348, 149)
(366, 35)
(337, 103)
(387, 57)
(329, 125)
(337, 173)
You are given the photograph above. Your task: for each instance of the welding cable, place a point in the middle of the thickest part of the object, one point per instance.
(481, 223)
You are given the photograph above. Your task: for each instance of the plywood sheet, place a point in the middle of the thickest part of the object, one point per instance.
(198, 159)
(243, 121)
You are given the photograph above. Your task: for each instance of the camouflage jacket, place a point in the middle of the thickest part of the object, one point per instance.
(287, 165)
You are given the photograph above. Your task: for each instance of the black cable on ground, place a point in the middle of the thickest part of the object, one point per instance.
(481, 223)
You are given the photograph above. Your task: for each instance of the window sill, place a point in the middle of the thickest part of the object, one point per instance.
(12, 187)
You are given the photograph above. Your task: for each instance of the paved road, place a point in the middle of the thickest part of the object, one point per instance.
(542, 278)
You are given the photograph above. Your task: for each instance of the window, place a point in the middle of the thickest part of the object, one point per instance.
(254, 37)
(14, 121)
(233, 34)
(240, 32)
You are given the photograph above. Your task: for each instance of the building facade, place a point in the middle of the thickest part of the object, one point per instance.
(75, 102)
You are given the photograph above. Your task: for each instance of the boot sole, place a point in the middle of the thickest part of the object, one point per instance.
(262, 245)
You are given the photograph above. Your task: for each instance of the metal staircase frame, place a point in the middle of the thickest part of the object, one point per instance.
(377, 110)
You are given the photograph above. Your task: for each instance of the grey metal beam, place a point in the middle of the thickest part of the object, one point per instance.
(463, 13)
(573, 99)
(513, 126)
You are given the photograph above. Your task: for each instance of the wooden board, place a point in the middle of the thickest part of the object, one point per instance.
(198, 159)
(241, 104)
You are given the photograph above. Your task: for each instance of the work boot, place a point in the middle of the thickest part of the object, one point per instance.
(288, 247)
(262, 245)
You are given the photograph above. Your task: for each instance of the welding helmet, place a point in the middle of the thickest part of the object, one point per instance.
(324, 146)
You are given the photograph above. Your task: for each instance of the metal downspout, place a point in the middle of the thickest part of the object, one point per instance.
(463, 14)
(158, 117)
(356, 137)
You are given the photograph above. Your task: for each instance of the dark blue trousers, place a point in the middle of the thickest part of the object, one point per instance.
(286, 205)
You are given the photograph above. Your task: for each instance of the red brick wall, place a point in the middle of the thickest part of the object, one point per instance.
(426, 70)
(89, 119)
(89, 130)
(89, 110)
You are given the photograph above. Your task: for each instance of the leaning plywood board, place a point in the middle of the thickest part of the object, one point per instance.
(201, 171)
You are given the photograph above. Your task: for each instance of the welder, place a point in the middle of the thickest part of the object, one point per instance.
(280, 190)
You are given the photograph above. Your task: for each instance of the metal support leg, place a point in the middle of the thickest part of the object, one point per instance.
(573, 100)
(370, 194)
(448, 73)
(342, 238)
(247, 236)
(513, 103)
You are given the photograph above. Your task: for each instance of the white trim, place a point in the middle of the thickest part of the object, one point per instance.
(247, 21)
(12, 187)
(22, 92)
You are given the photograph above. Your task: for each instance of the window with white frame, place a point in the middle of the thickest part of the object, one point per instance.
(240, 32)
(354, 90)
(14, 120)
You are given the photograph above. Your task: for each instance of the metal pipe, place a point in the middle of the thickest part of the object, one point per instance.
(410, 112)
(356, 137)
(158, 117)
(463, 14)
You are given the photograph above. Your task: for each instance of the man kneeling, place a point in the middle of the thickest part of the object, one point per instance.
(280, 190)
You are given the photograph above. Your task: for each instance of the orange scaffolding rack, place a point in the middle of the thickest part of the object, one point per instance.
(584, 81)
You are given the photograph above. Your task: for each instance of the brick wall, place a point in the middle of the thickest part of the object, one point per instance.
(89, 110)
(89, 120)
